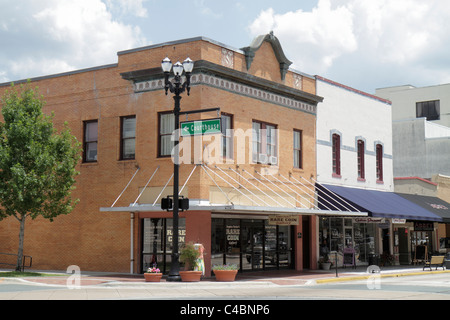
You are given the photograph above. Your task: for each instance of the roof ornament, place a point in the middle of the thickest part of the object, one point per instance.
(273, 40)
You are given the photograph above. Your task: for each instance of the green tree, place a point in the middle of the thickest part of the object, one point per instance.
(37, 163)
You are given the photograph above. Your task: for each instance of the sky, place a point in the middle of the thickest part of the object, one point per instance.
(364, 44)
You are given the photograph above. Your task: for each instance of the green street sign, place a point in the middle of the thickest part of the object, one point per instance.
(200, 127)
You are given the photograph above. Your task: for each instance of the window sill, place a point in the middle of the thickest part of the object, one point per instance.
(337, 176)
(361, 179)
(89, 163)
(380, 182)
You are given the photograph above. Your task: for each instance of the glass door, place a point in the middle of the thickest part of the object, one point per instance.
(285, 245)
(271, 247)
(252, 244)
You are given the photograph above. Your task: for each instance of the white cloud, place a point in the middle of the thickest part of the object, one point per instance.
(324, 32)
(204, 9)
(380, 35)
(123, 7)
(51, 36)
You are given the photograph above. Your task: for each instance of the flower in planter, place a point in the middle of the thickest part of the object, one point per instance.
(153, 269)
(230, 266)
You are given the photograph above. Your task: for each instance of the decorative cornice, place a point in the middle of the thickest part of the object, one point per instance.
(210, 74)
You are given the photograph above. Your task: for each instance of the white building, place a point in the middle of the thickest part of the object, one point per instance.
(421, 129)
(362, 122)
(355, 171)
(432, 103)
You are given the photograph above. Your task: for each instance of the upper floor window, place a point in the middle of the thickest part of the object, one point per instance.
(379, 164)
(361, 164)
(227, 135)
(428, 109)
(166, 128)
(128, 138)
(298, 159)
(90, 141)
(336, 140)
(264, 143)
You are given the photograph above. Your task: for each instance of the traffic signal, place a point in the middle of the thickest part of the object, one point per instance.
(167, 203)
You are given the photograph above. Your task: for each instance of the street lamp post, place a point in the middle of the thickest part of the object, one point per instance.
(177, 87)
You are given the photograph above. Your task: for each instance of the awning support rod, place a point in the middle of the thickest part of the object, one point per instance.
(256, 187)
(125, 187)
(316, 193)
(163, 190)
(278, 195)
(301, 196)
(251, 200)
(241, 185)
(188, 179)
(203, 167)
(140, 194)
(295, 200)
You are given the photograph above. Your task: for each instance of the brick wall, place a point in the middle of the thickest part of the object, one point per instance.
(99, 241)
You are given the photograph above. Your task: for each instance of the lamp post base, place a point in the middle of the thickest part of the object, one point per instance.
(174, 278)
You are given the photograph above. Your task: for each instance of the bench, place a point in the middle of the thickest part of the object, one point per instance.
(437, 261)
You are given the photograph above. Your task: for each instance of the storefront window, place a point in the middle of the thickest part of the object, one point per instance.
(233, 241)
(335, 234)
(157, 242)
(250, 244)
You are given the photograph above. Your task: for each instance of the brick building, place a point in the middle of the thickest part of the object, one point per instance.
(259, 170)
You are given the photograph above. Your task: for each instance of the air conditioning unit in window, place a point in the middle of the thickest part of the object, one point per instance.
(273, 160)
(254, 157)
(262, 158)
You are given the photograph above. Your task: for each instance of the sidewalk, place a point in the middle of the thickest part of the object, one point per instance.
(276, 277)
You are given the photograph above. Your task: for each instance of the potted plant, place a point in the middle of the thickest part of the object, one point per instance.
(387, 259)
(225, 272)
(153, 274)
(189, 255)
(324, 262)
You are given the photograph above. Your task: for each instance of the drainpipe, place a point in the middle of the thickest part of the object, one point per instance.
(131, 242)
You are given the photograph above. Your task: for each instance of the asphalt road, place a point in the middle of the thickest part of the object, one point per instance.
(418, 287)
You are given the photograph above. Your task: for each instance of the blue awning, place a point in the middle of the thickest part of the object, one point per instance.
(376, 203)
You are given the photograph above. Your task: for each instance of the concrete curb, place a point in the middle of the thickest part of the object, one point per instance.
(375, 275)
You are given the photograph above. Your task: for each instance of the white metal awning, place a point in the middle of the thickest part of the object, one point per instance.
(269, 194)
(238, 209)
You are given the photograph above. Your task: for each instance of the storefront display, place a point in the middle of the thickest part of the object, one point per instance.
(251, 244)
(157, 242)
(338, 234)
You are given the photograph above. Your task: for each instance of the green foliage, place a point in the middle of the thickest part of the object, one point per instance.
(189, 256)
(37, 164)
(231, 266)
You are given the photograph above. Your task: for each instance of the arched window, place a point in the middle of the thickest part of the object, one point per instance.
(361, 162)
(379, 154)
(336, 155)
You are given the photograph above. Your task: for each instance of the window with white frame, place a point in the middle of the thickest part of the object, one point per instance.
(166, 128)
(227, 135)
(265, 143)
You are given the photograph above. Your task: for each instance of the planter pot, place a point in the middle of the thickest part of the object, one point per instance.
(225, 275)
(190, 276)
(152, 277)
(326, 265)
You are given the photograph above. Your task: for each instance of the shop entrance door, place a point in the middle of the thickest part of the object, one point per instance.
(403, 246)
(265, 246)
(253, 250)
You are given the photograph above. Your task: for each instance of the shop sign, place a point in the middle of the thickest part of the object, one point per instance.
(398, 221)
(200, 127)
(423, 226)
(284, 220)
(369, 220)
